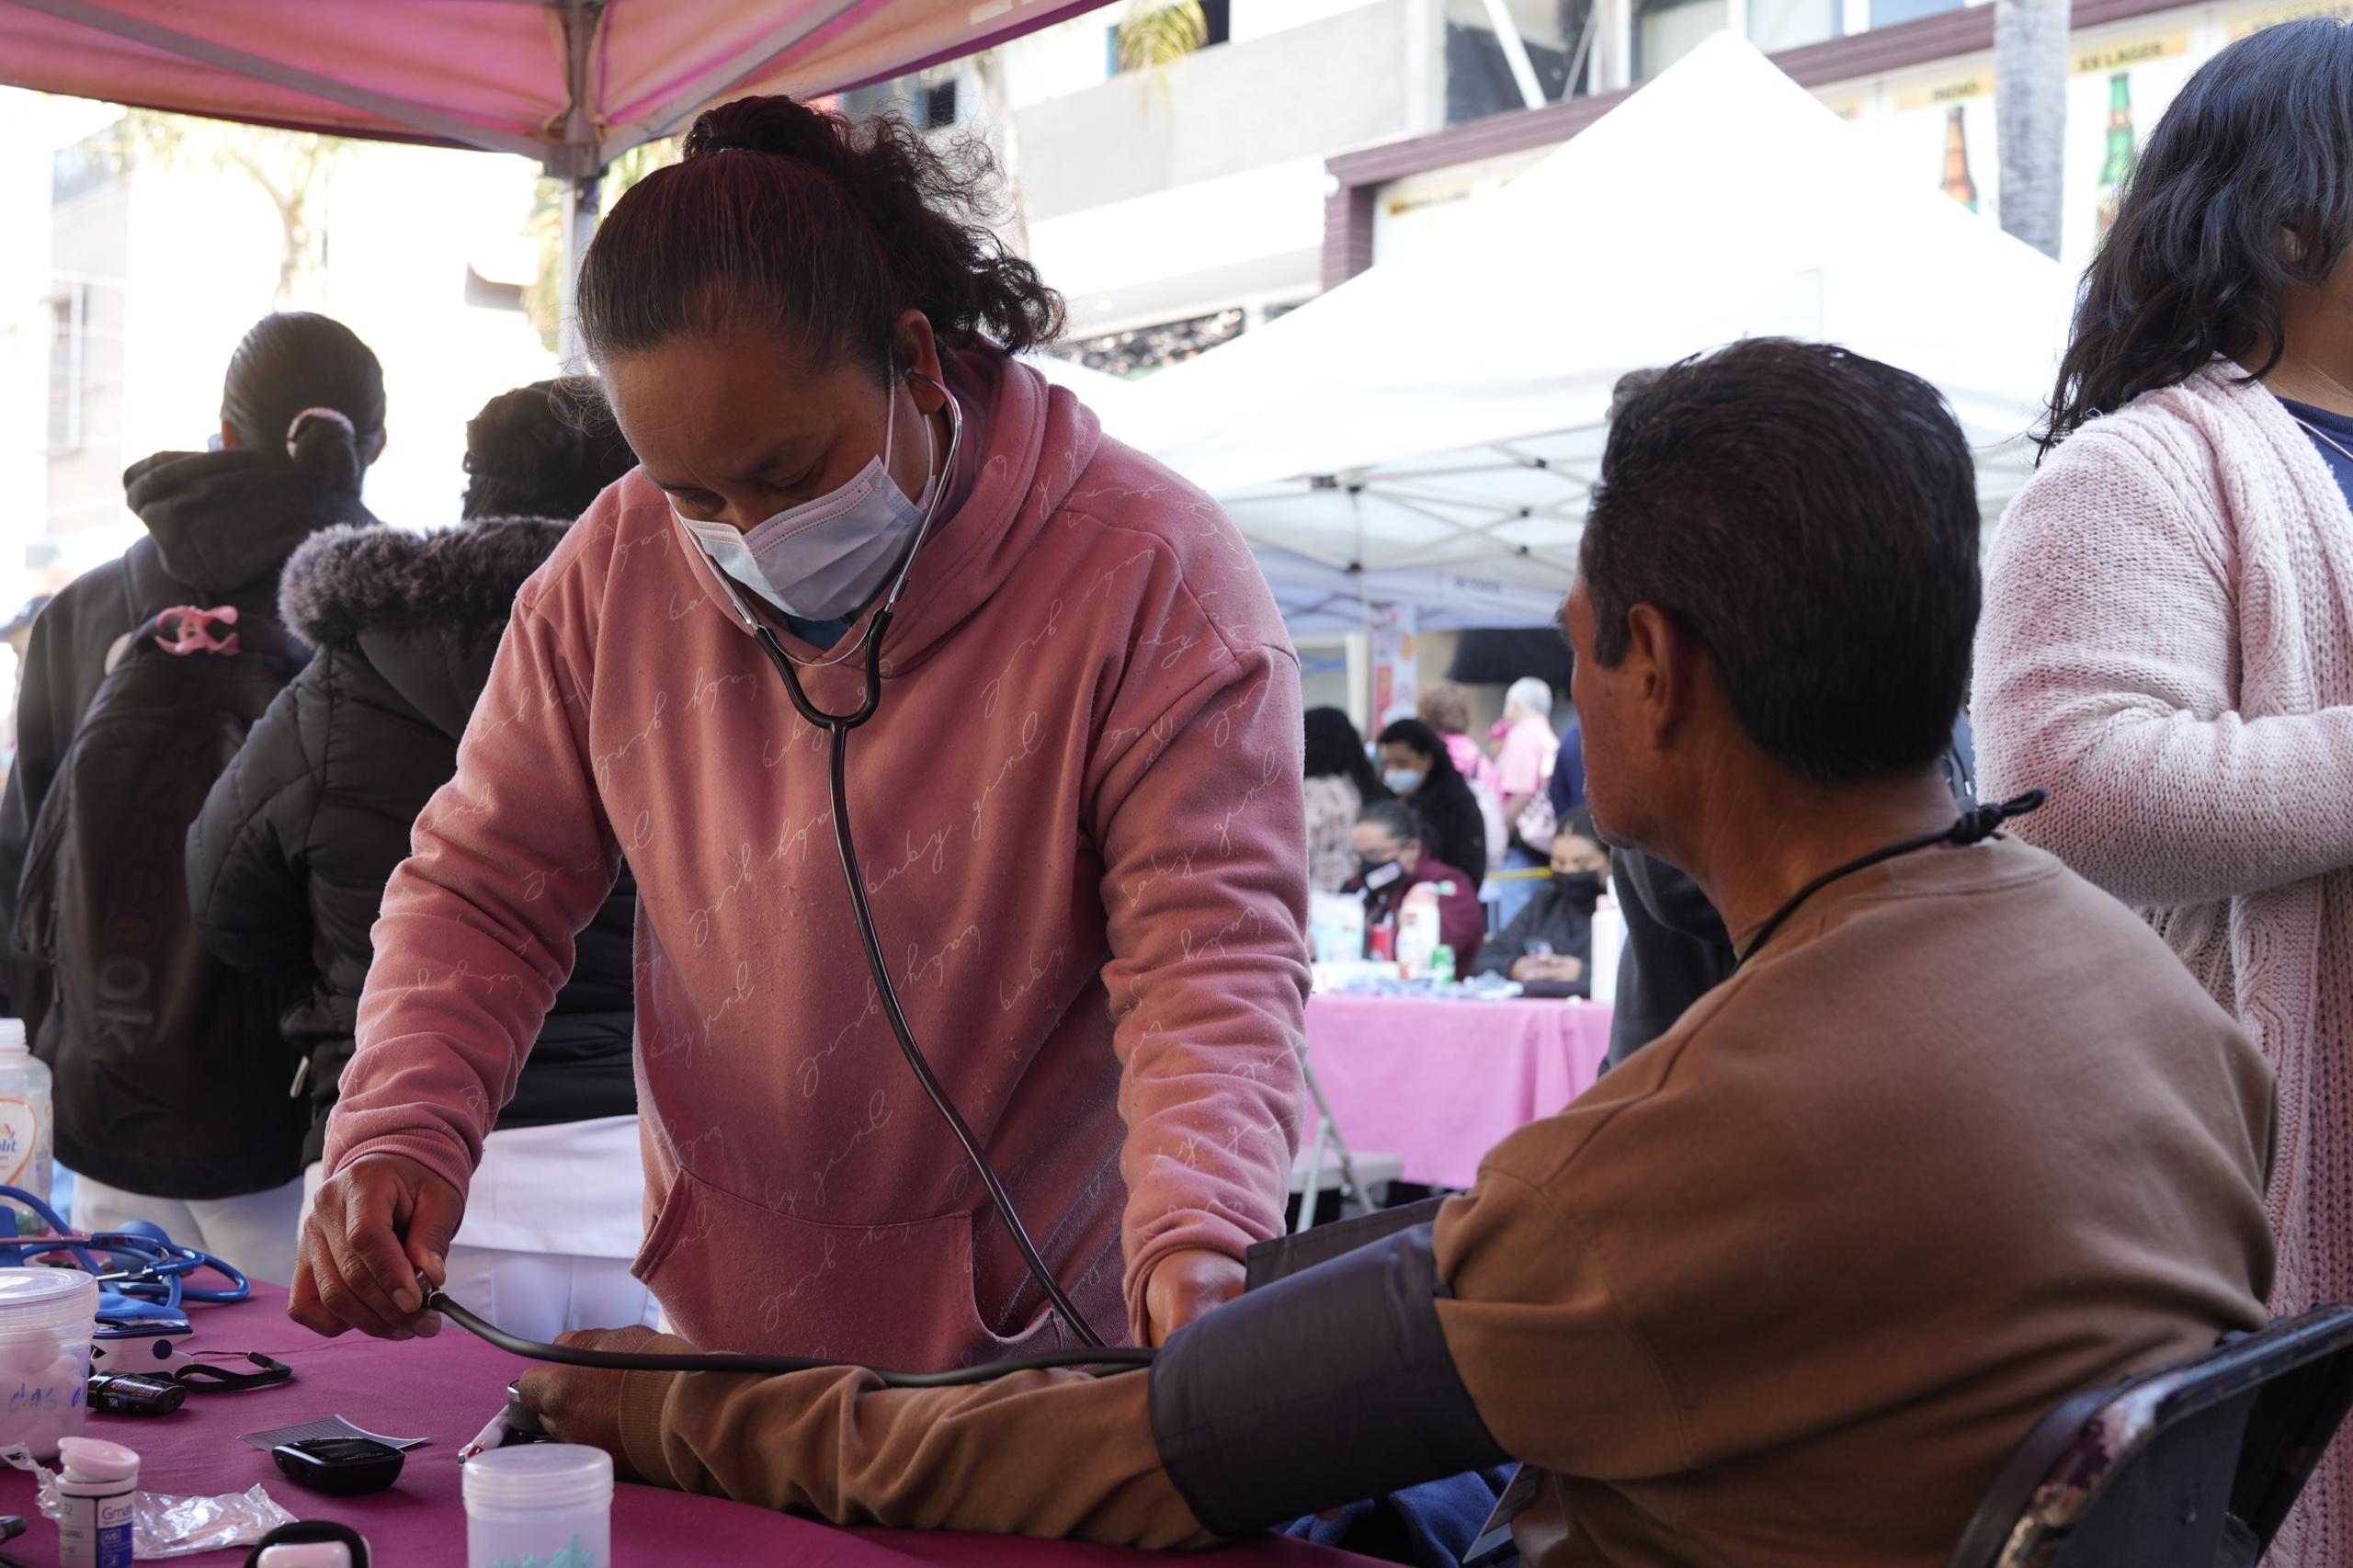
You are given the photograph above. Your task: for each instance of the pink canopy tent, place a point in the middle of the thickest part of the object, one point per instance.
(571, 83)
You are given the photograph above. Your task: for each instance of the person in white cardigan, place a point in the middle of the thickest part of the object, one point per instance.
(2167, 642)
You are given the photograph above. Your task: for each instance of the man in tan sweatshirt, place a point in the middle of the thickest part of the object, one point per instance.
(1957, 1140)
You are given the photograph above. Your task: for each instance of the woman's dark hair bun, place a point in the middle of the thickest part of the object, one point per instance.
(326, 447)
(800, 220)
(783, 125)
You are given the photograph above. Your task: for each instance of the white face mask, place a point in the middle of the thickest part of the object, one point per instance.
(1402, 780)
(822, 559)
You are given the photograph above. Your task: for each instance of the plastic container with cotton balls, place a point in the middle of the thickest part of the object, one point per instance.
(540, 1505)
(46, 1319)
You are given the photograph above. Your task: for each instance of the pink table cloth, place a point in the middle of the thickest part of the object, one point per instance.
(1438, 1083)
(446, 1389)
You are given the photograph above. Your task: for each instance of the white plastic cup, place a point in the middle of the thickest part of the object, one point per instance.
(46, 1319)
(544, 1504)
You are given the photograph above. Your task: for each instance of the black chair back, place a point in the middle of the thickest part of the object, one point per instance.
(2190, 1466)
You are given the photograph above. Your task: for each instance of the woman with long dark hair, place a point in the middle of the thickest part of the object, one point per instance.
(2167, 643)
(1076, 807)
(1340, 783)
(1415, 766)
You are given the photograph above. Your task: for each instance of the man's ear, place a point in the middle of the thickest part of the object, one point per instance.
(1660, 662)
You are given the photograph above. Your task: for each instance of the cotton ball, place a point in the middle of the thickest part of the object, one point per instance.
(27, 1356)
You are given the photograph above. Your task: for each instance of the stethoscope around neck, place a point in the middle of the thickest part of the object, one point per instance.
(878, 625)
(838, 726)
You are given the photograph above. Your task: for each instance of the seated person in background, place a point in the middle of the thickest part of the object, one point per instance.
(1553, 938)
(1391, 846)
(1957, 1140)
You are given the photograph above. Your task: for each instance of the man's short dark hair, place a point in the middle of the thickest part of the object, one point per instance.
(1810, 516)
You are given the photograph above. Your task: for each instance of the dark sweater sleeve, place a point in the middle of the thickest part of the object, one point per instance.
(1458, 835)
(1508, 946)
(249, 880)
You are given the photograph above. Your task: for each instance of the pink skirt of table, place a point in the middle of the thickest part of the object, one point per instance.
(1439, 1083)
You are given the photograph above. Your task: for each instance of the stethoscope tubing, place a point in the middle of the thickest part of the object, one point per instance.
(837, 727)
(159, 1269)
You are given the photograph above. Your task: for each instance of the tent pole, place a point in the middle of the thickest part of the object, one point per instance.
(582, 20)
(580, 197)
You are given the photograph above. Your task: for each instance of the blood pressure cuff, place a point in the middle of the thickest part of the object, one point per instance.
(1327, 1386)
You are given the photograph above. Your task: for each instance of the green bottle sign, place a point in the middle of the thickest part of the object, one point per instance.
(2116, 171)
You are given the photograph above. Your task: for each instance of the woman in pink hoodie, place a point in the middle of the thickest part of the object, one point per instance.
(1077, 809)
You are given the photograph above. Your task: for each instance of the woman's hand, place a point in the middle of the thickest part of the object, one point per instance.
(374, 1245)
(1547, 966)
(583, 1405)
(1186, 1284)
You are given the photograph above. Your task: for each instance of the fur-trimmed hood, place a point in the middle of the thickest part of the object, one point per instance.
(345, 581)
(425, 610)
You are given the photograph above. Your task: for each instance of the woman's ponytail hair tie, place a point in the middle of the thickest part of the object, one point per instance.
(294, 428)
(324, 444)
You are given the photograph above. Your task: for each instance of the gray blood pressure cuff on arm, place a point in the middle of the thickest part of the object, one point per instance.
(1327, 1386)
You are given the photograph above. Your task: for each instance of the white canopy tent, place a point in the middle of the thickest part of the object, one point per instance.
(1426, 431)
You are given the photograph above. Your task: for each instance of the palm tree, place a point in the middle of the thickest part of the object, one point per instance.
(2031, 116)
(1155, 34)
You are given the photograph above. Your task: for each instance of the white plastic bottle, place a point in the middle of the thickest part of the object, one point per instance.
(95, 1503)
(28, 1134)
(1418, 930)
(1608, 943)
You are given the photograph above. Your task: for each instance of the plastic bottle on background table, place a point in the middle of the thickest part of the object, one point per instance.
(28, 1135)
(1609, 941)
(1418, 930)
(94, 1498)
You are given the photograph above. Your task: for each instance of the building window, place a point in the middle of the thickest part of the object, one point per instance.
(1777, 24)
(69, 362)
(1142, 349)
(1887, 13)
(1669, 29)
(935, 105)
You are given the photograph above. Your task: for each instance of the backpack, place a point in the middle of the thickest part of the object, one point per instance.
(170, 1068)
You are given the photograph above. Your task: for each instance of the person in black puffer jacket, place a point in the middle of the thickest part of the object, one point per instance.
(288, 863)
(301, 417)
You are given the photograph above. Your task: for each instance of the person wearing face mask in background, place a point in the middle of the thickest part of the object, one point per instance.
(1078, 803)
(1416, 769)
(1395, 849)
(1551, 942)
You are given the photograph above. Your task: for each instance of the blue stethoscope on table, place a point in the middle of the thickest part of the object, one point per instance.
(145, 1284)
(143, 1276)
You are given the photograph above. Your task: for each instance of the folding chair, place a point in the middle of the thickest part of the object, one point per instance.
(2190, 1466)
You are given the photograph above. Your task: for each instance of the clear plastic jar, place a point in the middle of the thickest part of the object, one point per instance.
(540, 1505)
(46, 1319)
